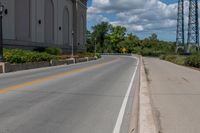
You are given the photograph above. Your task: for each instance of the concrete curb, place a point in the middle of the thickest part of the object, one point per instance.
(134, 116)
(135, 112)
(7, 67)
(147, 122)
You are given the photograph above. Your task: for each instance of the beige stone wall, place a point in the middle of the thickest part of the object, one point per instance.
(37, 23)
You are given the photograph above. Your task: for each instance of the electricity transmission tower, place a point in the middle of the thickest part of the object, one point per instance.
(193, 26)
(180, 26)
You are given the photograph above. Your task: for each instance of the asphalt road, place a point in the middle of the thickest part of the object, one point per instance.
(91, 97)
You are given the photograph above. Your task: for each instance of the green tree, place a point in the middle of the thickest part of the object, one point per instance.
(116, 36)
(89, 43)
(109, 38)
(154, 42)
(151, 42)
(154, 37)
(135, 40)
(100, 33)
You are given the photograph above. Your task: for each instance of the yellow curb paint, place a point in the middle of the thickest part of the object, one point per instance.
(40, 80)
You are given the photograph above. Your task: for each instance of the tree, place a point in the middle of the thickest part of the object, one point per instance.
(109, 38)
(151, 42)
(154, 37)
(100, 32)
(135, 40)
(116, 36)
(89, 45)
(154, 42)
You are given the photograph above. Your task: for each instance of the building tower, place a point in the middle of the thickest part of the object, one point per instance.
(193, 26)
(180, 26)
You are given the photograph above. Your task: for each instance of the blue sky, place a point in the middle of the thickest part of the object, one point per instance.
(141, 17)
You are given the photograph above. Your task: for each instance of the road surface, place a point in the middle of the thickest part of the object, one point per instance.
(82, 98)
(176, 94)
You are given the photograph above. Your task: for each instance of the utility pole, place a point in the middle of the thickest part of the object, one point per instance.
(1, 31)
(193, 26)
(180, 26)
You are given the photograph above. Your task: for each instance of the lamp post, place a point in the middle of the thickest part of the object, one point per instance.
(95, 47)
(1, 33)
(72, 54)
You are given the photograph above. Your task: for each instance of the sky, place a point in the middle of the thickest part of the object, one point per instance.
(140, 17)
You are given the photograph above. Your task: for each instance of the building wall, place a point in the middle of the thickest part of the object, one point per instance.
(81, 23)
(9, 20)
(76, 23)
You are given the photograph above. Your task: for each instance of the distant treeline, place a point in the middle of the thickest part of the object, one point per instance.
(115, 39)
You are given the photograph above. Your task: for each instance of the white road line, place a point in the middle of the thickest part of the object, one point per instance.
(123, 107)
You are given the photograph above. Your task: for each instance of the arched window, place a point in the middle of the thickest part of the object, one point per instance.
(49, 21)
(66, 28)
(82, 30)
(22, 20)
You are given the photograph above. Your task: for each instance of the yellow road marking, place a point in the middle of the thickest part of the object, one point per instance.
(40, 80)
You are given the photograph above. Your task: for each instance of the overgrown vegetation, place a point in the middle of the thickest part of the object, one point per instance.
(178, 59)
(189, 60)
(193, 60)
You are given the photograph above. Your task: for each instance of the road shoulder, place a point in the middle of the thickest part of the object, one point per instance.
(175, 94)
(143, 119)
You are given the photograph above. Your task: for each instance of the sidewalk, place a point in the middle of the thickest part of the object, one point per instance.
(175, 92)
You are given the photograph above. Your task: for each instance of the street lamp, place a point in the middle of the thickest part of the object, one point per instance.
(72, 56)
(1, 33)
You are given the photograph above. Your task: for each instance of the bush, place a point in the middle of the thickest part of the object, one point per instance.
(193, 60)
(171, 58)
(148, 52)
(39, 49)
(163, 57)
(98, 55)
(180, 60)
(24, 56)
(177, 59)
(53, 51)
(84, 54)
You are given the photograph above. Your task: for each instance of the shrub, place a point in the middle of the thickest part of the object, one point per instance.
(39, 49)
(171, 58)
(24, 56)
(177, 59)
(151, 52)
(180, 60)
(85, 54)
(53, 51)
(193, 60)
(162, 57)
(98, 55)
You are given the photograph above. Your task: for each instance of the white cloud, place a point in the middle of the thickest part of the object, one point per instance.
(97, 18)
(136, 15)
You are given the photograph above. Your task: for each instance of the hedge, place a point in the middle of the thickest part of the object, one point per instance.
(24, 56)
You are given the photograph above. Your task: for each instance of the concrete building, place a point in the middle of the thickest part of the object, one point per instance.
(45, 23)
